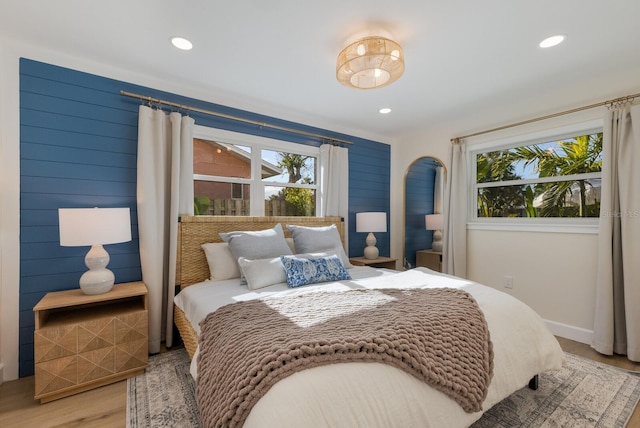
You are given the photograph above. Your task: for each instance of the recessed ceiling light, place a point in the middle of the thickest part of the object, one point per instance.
(553, 41)
(385, 110)
(181, 43)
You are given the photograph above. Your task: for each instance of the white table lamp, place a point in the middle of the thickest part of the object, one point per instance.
(96, 227)
(435, 222)
(371, 222)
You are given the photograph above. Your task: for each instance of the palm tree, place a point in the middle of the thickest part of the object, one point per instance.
(580, 155)
(497, 201)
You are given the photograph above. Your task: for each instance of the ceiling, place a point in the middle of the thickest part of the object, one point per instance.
(463, 57)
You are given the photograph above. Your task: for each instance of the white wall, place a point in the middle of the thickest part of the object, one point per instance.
(9, 213)
(554, 273)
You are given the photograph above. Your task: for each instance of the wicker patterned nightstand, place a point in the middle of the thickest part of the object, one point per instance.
(380, 262)
(85, 341)
(429, 259)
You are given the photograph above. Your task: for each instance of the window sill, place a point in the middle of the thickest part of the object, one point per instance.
(590, 228)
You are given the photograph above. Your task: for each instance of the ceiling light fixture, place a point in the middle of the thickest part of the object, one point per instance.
(385, 110)
(181, 43)
(553, 41)
(372, 62)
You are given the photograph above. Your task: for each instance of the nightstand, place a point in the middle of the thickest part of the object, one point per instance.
(429, 259)
(85, 341)
(380, 262)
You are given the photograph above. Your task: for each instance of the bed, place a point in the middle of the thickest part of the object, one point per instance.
(356, 392)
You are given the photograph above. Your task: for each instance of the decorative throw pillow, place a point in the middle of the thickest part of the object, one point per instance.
(257, 245)
(301, 271)
(222, 264)
(262, 273)
(313, 239)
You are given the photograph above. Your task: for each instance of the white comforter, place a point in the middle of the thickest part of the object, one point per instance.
(377, 395)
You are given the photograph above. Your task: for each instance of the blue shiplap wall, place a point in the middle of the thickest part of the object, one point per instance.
(369, 181)
(419, 186)
(78, 144)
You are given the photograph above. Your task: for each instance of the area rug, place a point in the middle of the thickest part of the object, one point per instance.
(583, 394)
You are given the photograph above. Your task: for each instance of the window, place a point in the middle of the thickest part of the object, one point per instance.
(293, 191)
(237, 191)
(222, 173)
(240, 174)
(555, 177)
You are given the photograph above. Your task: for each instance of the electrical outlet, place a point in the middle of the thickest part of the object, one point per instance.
(508, 281)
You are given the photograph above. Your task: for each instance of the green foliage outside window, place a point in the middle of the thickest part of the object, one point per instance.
(201, 204)
(300, 202)
(519, 182)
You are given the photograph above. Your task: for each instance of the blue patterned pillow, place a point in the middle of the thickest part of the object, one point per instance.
(309, 271)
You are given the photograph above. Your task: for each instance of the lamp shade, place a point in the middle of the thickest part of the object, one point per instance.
(371, 62)
(94, 226)
(434, 221)
(371, 222)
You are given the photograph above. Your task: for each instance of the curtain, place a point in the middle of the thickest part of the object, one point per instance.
(617, 314)
(334, 184)
(164, 191)
(334, 180)
(454, 260)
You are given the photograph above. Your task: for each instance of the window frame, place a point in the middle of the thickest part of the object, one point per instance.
(255, 182)
(527, 224)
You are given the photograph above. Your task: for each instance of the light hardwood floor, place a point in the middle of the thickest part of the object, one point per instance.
(106, 406)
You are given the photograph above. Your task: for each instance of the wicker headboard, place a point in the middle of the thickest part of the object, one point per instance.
(193, 231)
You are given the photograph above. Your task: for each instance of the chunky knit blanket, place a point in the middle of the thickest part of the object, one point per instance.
(438, 335)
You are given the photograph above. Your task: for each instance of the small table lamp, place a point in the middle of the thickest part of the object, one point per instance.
(371, 222)
(95, 227)
(435, 222)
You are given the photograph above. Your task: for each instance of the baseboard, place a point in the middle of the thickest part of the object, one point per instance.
(578, 334)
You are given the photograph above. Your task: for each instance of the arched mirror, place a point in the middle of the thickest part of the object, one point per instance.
(423, 196)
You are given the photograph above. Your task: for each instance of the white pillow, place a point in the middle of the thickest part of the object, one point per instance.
(321, 254)
(222, 264)
(291, 244)
(323, 238)
(262, 273)
(257, 244)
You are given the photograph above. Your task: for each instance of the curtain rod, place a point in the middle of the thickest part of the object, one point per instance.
(620, 100)
(151, 100)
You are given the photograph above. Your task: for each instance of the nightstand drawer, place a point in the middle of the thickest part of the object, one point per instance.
(380, 262)
(54, 343)
(429, 259)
